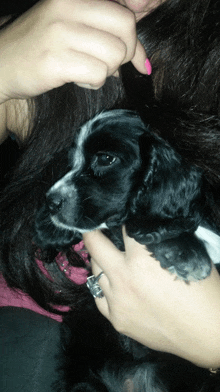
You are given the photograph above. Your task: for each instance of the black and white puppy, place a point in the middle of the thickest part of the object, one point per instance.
(122, 173)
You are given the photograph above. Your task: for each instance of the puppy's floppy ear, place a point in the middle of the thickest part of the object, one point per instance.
(167, 199)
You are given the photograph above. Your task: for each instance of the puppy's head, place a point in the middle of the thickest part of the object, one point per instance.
(120, 173)
(105, 168)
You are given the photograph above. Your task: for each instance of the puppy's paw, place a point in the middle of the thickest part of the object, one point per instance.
(184, 256)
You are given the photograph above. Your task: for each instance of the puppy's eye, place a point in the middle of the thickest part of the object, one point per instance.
(102, 162)
(105, 159)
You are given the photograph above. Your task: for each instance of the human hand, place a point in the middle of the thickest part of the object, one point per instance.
(61, 41)
(150, 305)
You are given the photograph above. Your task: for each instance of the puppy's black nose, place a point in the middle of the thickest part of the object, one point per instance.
(54, 202)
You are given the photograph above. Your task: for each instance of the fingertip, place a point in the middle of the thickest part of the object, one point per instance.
(116, 74)
(131, 245)
(124, 231)
(99, 246)
(148, 66)
(89, 86)
(126, 238)
(140, 60)
(91, 236)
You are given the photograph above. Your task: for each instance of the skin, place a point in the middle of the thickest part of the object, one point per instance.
(58, 41)
(141, 7)
(46, 48)
(150, 305)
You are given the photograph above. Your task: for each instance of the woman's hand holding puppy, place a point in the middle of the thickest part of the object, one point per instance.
(150, 305)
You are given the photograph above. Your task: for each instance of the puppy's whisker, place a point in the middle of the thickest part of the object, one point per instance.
(91, 220)
(87, 198)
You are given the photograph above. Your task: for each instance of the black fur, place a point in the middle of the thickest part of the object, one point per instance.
(123, 174)
(180, 101)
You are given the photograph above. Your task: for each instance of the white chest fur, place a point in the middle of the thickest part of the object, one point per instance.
(211, 242)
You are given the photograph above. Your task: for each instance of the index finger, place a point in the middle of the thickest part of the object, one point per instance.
(120, 22)
(140, 61)
(132, 246)
(103, 251)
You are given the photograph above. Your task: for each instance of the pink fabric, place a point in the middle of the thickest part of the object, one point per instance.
(12, 297)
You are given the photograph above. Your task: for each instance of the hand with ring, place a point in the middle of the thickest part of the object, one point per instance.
(150, 305)
(94, 287)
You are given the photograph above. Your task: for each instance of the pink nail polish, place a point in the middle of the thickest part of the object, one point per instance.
(148, 66)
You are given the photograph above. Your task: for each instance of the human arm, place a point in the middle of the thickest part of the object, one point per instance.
(61, 41)
(147, 303)
(15, 117)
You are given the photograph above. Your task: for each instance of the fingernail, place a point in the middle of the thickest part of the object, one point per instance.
(88, 86)
(148, 66)
(116, 74)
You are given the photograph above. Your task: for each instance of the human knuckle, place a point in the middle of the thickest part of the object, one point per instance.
(121, 52)
(130, 21)
(56, 29)
(117, 57)
(49, 68)
(56, 6)
(130, 37)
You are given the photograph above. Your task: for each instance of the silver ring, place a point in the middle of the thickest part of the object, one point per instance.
(93, 286)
